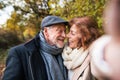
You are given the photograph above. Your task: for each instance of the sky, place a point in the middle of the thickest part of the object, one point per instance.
(5, 14)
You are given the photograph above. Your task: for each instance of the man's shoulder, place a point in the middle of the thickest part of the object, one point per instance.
(18, 48)
(23, 46)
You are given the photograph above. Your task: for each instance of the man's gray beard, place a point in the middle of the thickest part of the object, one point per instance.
(59, 46)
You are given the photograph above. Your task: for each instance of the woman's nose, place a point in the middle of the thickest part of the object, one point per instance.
(67, 35)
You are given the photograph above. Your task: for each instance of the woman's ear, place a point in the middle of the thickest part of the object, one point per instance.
(83, 41)
(80, 42)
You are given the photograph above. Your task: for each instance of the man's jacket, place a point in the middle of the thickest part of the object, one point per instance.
(24, 62)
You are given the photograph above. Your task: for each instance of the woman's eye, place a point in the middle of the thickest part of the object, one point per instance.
(73, 33)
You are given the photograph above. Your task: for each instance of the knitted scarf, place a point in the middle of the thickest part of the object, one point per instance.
(53, 60)
(73, 59)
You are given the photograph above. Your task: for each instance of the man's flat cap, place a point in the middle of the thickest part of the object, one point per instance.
(51, 20)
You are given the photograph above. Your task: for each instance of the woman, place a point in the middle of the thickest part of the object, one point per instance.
(83, 31)
(106, 50)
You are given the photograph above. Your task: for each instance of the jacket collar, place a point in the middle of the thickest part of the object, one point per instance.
(33, 45)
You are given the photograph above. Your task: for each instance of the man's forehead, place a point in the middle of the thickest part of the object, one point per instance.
(59, 26)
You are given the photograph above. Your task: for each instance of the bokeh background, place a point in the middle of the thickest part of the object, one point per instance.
(20, 19)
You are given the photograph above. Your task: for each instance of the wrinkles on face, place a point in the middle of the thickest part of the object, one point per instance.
(56, 35)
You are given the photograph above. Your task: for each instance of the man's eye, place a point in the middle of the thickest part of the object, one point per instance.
(73, 33)
(60, 31)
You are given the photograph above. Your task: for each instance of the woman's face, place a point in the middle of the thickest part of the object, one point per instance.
(74, 37)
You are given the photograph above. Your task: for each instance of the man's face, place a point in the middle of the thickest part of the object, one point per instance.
(55, 35)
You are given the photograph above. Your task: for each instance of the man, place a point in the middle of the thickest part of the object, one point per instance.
(40, 58)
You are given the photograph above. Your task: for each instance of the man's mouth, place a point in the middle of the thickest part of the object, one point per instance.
(61, 39)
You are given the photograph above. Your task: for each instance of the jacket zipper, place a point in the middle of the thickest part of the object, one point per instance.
(31, 68)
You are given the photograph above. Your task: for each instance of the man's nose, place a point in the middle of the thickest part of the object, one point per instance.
(63, 34)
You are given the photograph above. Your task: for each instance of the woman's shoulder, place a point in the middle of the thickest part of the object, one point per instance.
(103, 38)
(100, 42)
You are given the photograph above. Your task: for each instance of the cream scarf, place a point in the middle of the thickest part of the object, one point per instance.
(99, 67)
(74, 59)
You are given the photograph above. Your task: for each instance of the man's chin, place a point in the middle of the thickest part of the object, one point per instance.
(60, 45)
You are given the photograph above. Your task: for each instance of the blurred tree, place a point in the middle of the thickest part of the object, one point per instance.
(27, 14)
(38, 7)
(2, 5)
(13, 24)
(73, 8)
(8, 38)
(30, 12)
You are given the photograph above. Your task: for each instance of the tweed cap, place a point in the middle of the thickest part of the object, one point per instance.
(51, 20)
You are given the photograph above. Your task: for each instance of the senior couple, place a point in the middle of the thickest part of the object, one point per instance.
(48, 57)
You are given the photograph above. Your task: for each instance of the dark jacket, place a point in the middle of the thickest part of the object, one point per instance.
(24, 62)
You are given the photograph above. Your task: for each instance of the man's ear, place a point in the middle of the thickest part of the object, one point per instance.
(45, 32)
